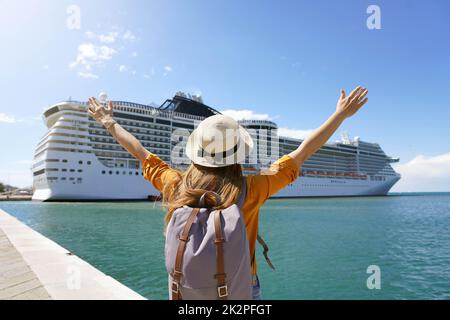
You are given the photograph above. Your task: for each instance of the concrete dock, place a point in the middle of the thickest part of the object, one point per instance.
(34, 267)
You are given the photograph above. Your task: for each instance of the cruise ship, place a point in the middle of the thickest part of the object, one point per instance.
(77, 159)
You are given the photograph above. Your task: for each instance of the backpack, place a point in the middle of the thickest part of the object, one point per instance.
(207, 253)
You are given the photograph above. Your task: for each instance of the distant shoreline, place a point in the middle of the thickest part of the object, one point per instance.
(15, 198)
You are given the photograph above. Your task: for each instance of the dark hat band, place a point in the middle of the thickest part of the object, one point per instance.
(220, 155)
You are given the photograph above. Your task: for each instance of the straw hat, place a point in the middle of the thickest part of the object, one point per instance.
(218, 141)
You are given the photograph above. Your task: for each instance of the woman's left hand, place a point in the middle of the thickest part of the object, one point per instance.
(347, 106)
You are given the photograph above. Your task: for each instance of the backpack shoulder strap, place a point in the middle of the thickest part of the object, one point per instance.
(222, 289)
(177, 272)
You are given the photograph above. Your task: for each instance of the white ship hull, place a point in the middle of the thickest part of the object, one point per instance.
(97, 186)
(324, 187)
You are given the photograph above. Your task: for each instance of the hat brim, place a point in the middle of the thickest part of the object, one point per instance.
(245, 147)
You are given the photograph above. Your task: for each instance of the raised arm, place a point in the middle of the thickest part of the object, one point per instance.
(103, 115)
(346, 107)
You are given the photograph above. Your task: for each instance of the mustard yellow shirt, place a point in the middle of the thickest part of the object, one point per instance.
(259, 188)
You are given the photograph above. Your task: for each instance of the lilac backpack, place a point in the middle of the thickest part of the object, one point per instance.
(207, 253)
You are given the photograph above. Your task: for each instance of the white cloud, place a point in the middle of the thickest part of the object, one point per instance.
(108, 38)
(4, 118)
(90, 34)
(167, 69)
(146, 76)
(90, 55)
(98, 49)
(87, 75)
(123, 68)
(133, 72)
(103, 38)
(294, 133)
(424, 173)
(246, 115)
(129, 36)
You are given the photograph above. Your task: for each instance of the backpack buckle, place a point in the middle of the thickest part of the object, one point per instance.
(175, 287)
(222, 291)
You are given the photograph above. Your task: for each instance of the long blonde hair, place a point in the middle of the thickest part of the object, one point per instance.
(196, 180)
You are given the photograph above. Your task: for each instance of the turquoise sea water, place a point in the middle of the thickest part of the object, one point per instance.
(321, 248)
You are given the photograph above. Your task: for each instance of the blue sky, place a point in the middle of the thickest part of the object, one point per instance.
(284, 60)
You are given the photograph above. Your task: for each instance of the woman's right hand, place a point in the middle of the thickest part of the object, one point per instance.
(100, 112)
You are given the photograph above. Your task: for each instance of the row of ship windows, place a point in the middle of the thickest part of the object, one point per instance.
(152, 137)
(117, 146)
(42, 171)
(123, 172)
(134, 130)
(334, 177)
(326, 185)
(112, 148)
(37, 164)
(104, 154)
(54, 179)
(137, 124)
(123, 106)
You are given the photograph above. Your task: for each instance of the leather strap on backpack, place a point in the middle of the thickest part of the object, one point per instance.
(177, 272)
(222, 288)
(266, 251)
